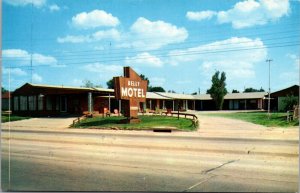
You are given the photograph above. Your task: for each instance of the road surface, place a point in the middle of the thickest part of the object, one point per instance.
(37, 156)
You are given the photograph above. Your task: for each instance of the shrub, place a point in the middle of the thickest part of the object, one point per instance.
(289, 101)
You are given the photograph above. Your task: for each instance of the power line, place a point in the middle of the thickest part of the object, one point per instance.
(293, 24)
(91, 54)
(182, 54)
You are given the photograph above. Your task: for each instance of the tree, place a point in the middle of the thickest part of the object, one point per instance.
(218, 89)
(171, 91)
(156, 89)
(235, 91)
(143, 77)
(110, 84)
(4, 90)
(89, 84)
(194, 93)
(250, 89)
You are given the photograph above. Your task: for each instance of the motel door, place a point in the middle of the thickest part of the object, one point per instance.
(63, 104)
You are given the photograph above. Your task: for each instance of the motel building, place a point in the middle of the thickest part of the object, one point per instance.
(49, 100)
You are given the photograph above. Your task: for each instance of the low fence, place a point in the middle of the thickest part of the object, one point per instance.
(78, 120)
(194, 117)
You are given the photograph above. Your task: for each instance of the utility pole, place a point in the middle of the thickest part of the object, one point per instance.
(31, 26)
(269, 61)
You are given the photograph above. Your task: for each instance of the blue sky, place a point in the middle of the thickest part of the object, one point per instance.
(177, 44)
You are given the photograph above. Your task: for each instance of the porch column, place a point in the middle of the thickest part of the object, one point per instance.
(119, 107)
(90, 102)
(109, 102)
(259, 103)
(186, 104)
(164, 105)
(150, 102)
(173, 105)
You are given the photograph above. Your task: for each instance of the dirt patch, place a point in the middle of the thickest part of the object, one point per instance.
(220, 126)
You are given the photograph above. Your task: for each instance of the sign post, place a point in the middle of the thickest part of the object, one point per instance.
(131, 89)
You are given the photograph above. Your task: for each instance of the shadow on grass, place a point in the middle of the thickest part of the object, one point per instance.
(100, 122)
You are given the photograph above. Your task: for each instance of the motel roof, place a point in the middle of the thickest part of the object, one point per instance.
(202, 97)
(292, 90)
(250, 95)
(149, 95)
(168, 95)
(153, 95)
(246, 95)
(58, 86)
(72, 87)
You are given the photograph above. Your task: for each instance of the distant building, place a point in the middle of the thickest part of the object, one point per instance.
(5, 97)
(49, 100)
(278, 97)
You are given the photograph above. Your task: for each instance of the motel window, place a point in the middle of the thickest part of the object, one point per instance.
(57, 103)
(32, 103)
(23, 103)
(40, 102)
(48, 104)
(16, 103)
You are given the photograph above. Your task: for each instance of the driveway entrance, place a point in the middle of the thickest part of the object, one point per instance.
(40, 124)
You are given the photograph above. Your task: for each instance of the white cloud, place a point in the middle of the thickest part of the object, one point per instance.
(22, 57)
(202, 15)
(15, 53)
(36, 78)
(54, 7)
(183, 82)
(237, 64)
(35, 3)
(76, 82)
(157, 81)
(42, 59)
(106, 34)
(295, 59)
(99, 48)
(112, 34)
(144, 59)
(73, 39)
(93, 19)
(104, 69)
(248, 13)
(291, 76)
(153, 35)
(14, 71)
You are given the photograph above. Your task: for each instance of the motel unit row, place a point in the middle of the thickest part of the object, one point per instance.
(48, 100)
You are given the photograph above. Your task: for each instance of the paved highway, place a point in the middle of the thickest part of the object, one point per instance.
(76, 160)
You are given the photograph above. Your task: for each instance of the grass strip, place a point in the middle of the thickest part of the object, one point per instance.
(147, 122)
(260, 118)
(6, 118)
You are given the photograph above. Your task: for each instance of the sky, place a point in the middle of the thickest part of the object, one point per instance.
(177, 44)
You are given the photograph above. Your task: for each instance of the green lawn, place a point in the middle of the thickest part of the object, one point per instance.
(6, 118)
(261, 118)
(147, 122)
